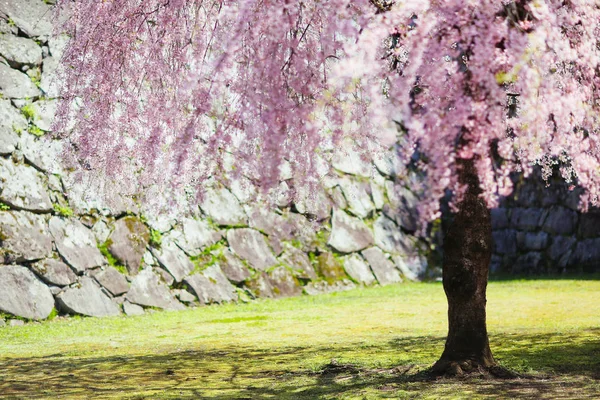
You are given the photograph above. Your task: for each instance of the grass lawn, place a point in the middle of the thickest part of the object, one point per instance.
(364, 344)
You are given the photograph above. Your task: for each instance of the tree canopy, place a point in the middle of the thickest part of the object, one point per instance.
(167, 92)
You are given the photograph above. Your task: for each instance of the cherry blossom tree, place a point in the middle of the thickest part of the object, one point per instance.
(165, 92)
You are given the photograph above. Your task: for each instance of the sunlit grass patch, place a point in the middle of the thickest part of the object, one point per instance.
(368, 343)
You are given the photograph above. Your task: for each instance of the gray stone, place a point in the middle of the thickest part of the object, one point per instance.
(101, 231)
(2, 323)
(321, 287)
(164, 276)
(412, 267)
(128, 242)
(589, 225)
(270, 223)
(23, 187)
(330, 268)
(233, 268)
(251, 246)
(505, 242)
(377, 193)
(260, 286)
(303, 230)
(532, 240)
(57, 45)
(347, 159)
(527, 219)
(349, 234)
(298, 261)
(499, 218)
(15, 84)
(173, 259)
(337, 198)
(402, 207)
(132, 309)
(390, 238)
(16, 322)
(560, 246)
(86, 298)
(560, 221)
(357, 196)
(54, 272)
(358, 270)
(586, 255)
(33, 17)
(383, 269)
(528, 263)
(111, 280)
(7, 28)
(242, 188)
(50, 84)
(45, 155)
(312, 203)
(43, 113)
(22, 294)
(55, 290)
(8, 141)
(10, 117)
(196, 235)
(147, 290)
(184, 296)
(223, 208)
(389, 163)
(76, 244)
(19, 51)
(211, 286)
(527, 195)
(24, 237)
(283, 282)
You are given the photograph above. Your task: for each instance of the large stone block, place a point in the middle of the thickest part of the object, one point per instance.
(357, 195)
(390, 238)
(128, 242)
(298, 261)
(589, 225)
(19, 51)
(560, 221)
(173, 259)
(500, 218)
(22, 294)
(560, 246)
(330, 268)
(196, 235)
(223, 208)
(23, 187)
(384, 270)
(283, 282)
(24, 237)
(76, 244)
(54, 272)
(358, 270)
(86, 298)
(111, 280)
(233, 268)
(147, 290)
(251, 246)
(211, 286)
(532, 240)
(349, 234)
(527, 219)
(33, 17)
(15, 84)
(505, 241)
(586, 256)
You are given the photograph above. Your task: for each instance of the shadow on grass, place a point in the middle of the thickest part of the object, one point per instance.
(558, 365)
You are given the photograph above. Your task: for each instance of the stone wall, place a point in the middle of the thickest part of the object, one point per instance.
(63, 253)
(539, 230)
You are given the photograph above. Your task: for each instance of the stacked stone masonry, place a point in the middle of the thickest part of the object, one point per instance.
(62, 253)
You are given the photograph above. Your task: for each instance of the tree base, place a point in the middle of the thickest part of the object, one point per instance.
(457, 369)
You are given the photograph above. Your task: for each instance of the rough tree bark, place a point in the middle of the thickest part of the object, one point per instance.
(467, 255)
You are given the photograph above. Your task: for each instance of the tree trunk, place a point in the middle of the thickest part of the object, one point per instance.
(467, 255)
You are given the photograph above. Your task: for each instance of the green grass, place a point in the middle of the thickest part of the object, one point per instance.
(380, 338)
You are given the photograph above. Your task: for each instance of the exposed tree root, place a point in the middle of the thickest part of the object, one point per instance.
(469, 368)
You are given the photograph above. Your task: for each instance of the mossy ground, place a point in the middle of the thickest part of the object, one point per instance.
(381, 340)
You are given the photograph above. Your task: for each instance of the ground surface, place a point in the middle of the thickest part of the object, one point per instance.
(364, 344)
